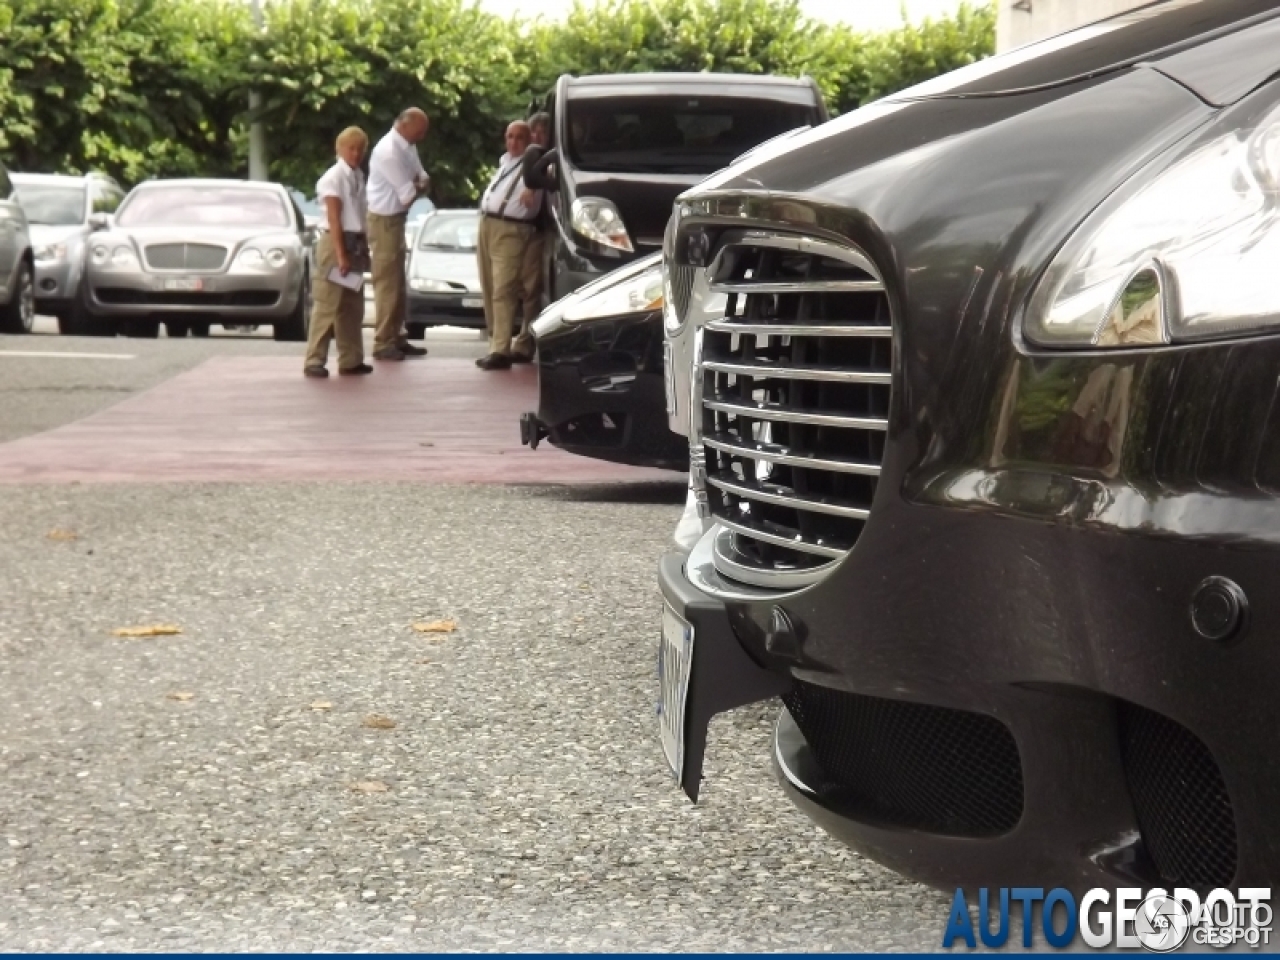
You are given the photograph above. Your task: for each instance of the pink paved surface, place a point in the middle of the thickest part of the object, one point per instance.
(258, 419)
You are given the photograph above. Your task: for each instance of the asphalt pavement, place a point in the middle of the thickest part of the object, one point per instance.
(300, 768)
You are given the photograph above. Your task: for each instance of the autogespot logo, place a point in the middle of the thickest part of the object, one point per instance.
(1157, 920)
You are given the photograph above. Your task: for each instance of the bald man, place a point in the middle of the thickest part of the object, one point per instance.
(396, 179)
(508, 224)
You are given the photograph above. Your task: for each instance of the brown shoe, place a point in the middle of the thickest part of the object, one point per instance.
(388, 353)
(355, 371)
(522, 358)
(315, 370)
(494, 361)
(411, 349)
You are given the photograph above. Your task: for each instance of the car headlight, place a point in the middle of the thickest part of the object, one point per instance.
(598, 219)
(52, 251)
(250, 257)
(1187, 254)
(427, 285)
(639, 294)
(99, 254)
(277, 257)
(124, 258)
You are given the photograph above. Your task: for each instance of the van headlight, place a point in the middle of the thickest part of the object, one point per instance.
(639, 294)
(1188, 254)
(598, 220)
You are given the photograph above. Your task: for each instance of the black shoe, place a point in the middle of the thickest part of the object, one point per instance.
(394, 354)
(315, 371)
(355, 371)
(522, 358)
(494, 361)
(411, 349)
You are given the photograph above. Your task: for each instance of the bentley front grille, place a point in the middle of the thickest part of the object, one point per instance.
(185, 256)
(795, 382)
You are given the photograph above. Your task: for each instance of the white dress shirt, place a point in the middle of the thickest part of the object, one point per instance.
(347, 184)
(503, 196)
(393, 167)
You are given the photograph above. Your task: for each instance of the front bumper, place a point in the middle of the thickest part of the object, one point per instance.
(56, 283)
(445, 308)
(261, 297)
(601, 392)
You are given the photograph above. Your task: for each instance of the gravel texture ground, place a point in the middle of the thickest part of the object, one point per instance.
(525, 807)
(232, 788)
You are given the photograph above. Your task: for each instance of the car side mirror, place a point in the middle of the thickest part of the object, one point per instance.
(100, 221)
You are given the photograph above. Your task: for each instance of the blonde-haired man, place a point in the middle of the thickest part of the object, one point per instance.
(337, 311)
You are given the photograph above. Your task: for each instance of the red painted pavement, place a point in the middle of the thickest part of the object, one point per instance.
(258, 419)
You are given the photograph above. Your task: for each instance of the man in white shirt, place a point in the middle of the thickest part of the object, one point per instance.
(337, 312)
(396, 179)
(508, 224)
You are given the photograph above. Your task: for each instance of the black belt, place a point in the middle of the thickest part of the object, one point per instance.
(498, 216)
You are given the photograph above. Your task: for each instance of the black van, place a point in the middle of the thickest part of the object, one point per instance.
(629, 144)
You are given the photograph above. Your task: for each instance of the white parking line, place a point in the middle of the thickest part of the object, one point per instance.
(68, 354)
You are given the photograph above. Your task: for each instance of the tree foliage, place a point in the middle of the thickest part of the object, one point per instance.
(144, 88)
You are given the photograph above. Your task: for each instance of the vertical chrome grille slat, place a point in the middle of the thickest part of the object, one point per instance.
(795, 382)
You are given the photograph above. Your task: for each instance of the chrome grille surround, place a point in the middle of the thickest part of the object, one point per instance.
(185, 256)
(793, 386)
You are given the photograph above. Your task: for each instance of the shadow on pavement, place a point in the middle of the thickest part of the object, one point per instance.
(647, 491)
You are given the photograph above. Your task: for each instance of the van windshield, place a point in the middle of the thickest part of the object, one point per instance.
(690, 135)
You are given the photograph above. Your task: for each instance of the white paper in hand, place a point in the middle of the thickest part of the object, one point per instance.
(352, 281)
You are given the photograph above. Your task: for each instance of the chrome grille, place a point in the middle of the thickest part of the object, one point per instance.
(185, 256)
(795, 381)
(681, 276)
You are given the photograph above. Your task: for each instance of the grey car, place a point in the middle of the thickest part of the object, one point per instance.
(17, 265)
(444, 280)
(191, 253)
(60, 212)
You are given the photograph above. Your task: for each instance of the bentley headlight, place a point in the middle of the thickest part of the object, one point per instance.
(427, 285)
(1188, 254)
(641, 293)
(250, 257)
(598, 219)
(100, 254)
(123, 258)
(277, 257)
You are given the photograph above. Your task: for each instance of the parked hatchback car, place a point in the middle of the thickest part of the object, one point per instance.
(444, 279)
(980, 388)
(60, 210)
(17, 265)
(628, 144)
(190, 253)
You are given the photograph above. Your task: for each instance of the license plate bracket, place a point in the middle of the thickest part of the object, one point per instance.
(184, 283)
(675, 664)
(473, 303)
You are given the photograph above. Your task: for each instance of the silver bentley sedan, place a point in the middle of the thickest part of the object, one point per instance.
(192, 253)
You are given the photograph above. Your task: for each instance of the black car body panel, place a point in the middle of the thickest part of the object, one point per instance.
(1044, 522)
(642, 192)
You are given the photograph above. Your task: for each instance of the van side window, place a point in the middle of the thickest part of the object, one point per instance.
(105, 200)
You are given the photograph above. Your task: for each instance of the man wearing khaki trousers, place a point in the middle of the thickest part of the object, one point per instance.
(396, 179)
(508, 214)
(337, 311)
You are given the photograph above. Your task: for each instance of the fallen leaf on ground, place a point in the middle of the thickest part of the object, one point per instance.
(437, 626)
(376, 721)
(152, 630)
(369, 786)
(183, 695)
(63, 535)
(321, 705)
(426, 660)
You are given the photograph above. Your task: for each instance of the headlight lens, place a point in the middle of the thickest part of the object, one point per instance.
(277, 257)
(53, 251)
(250, 257)
(124, 258)
(100, 254)
(427, 285)
(639, 294)
(1188, 255)
(598, 219)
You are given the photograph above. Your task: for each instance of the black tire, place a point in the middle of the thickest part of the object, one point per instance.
(19, 314)
(298, 326)
(140, 327)
(415, 331)
(174, 329)
(81, 321)
(199, 328)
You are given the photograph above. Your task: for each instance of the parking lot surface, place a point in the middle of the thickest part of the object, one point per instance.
(300, 768)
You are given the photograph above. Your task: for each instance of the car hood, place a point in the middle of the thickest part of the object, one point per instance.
(1165, 35)
(451, 266)
(225, 236)
(43, 234)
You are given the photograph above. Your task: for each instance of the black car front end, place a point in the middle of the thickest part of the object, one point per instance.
(1014, 582)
